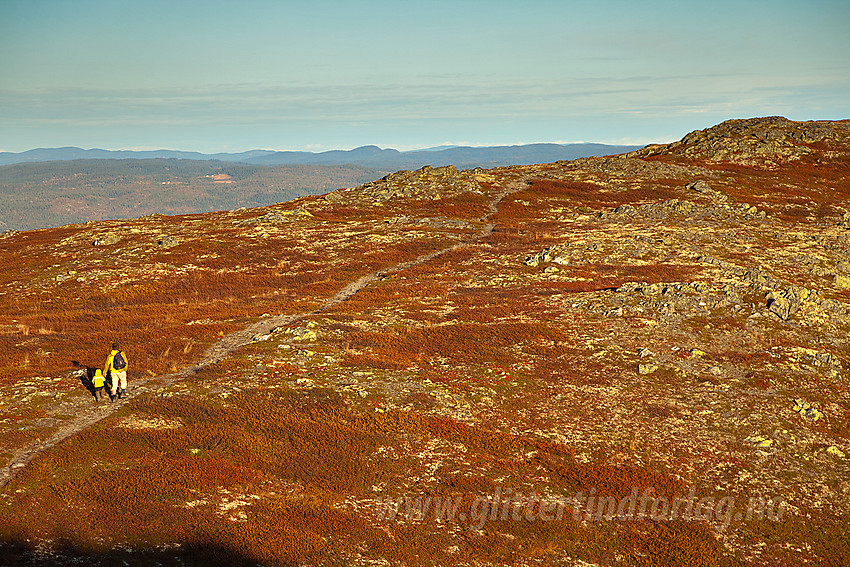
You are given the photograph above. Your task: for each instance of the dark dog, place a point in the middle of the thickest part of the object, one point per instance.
(85, 373)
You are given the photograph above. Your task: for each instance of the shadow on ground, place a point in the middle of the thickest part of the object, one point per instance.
(20, 553)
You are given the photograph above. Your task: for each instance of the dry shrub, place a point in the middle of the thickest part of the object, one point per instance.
(593, 195)
(487, 304)
(462, 206)
(814, 185)
(652, 544)
(233, 275)
(461, 343)
(309, 440)
(470, 484)
(257, 438)
(287, 532)
(611, 480)
(826, 537)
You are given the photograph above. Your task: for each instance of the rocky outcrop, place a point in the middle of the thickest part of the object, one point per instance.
(426, 183)
(785, 302)
(687, 209)
(550, 254)
(753, 141)
(167, 242)
(627, 167)
(107, 239)
(702, 187)
(277, 216)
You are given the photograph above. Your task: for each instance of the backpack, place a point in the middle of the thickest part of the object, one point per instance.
(118, 362)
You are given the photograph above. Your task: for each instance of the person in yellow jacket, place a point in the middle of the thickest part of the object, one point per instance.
(116, 369)
(97, 383)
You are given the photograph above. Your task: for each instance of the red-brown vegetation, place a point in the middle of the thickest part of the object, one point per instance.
(461, 343)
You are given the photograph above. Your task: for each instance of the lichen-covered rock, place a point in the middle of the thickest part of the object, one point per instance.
(426, 183)
(806, 410)
(842, 281)
(549, 254)
(755, 141)
(302, 334)
(835, 451)
(167, 242)
(278, 217)
(701, 186)
(759, 441)
(785, 302)
(107, 240)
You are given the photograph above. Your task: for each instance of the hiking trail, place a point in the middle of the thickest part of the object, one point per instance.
(230, 343)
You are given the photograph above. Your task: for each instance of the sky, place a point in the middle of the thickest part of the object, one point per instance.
(228, 76)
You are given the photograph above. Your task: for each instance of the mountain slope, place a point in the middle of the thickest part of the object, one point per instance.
(629, 360)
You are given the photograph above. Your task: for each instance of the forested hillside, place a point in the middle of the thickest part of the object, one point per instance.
(50, 194)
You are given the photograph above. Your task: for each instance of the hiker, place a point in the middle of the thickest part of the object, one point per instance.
(97, 383)
(116, 369)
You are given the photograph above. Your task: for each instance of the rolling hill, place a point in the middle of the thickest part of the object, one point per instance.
(366, 156)
(637, 359)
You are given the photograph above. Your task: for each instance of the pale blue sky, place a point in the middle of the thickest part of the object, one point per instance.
(214, 75)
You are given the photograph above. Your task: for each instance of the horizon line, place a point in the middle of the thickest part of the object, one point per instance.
(316, 150)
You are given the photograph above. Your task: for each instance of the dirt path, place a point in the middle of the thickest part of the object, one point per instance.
(228, 344)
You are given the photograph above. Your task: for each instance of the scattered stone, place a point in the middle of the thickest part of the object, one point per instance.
(697, 352)
(674, 206)
(302, 334)
(644, 352)
(785, 302)
(432, 183)
(551, 270)
(546, 255)
(629, 287)
(107, 240)
(835, 451)
(842, 281)
(652, 289)
(806, 410)
(278, 217)
(167, 242)
(759, 441)
(715, 370)
(765, 141)
(703, 187)
(647, 368)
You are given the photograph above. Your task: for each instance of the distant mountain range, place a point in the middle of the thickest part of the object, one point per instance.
(372, 157)
(72, 153)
